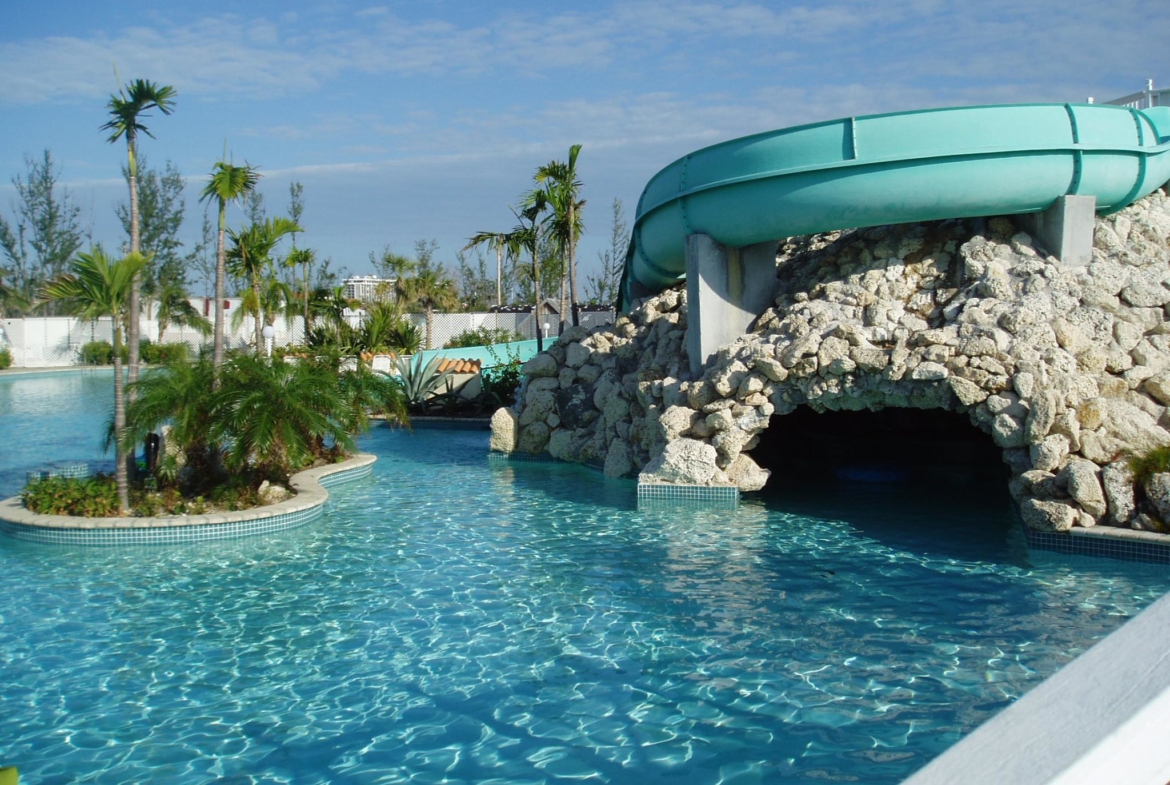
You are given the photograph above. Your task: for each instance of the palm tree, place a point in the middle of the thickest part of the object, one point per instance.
(305, 258)
(98, 286)
(527, 236)
(127, 108)
(496, 241)
(174, 307)
(228, 183)
(563, 189)
(432, 291)
(251, 257)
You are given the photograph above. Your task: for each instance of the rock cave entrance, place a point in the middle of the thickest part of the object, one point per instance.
(890, 446)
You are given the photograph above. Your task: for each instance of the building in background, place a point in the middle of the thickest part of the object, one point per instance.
(369, 288)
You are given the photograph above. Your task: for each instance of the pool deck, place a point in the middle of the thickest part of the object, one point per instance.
(308, 504)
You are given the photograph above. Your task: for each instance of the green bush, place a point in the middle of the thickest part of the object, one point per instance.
(1156, 461)
(483, 336)
(92, 497)
(97, 353)
(163, 353)
(5, 359)
(502, 380)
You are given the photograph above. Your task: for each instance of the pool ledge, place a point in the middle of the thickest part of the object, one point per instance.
(308, 504)
(1101, 718)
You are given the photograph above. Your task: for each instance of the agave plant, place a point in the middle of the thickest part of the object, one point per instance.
(421, 382)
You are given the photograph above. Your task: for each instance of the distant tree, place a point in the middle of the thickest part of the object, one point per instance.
(228, 183)
(424, 256)
(390, 265)
(161, 211)
(476, 290)
(604, 287)
(45, 235)
(526, 236)
(496, 241)
(253, 204)
(98, 286)
(432, 290)
(126, 110)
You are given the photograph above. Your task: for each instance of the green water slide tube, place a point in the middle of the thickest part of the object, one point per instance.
(893, 168)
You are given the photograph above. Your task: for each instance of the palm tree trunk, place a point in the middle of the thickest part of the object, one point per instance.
(536, 291)
(564, 275)
(572, 263)
(499, 275)
(135, 245)
(430, 325)
(257, 316)
(121, 460)
(305, 329)
(217, 350)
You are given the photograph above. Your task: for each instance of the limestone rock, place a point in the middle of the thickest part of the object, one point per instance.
(1157, 488)
(1007, 431)
(1048, 515)
(270, 493)
(1084, 487)
(576, 355)
(683, 461)
(559, 444)
(533, 438)
(746, 474)
(618, 461)
(541, 365)
(1048, 454)
(505, 430)
(677, 421)
(1117, 478)
(539, 404)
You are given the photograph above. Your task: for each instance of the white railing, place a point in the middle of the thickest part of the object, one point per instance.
(1146, 99)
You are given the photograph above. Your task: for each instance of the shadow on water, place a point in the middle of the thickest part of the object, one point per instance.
(925, 480)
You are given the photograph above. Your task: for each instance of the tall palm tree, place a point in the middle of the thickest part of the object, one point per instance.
(432, 291)
(127, 109)
(228, 183)
(527, 236)
(98, 286)
(563, 189)
(496, 241)
(251, 257)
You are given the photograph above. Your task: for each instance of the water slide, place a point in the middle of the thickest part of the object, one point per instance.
(893, 168)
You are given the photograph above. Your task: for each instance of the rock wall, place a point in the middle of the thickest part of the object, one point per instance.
(1067, 369)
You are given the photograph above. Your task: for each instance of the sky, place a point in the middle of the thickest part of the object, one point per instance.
(427, 119)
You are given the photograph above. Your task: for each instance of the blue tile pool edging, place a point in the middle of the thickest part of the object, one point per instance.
(308, 505)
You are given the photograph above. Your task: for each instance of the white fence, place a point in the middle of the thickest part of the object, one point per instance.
(53, 341)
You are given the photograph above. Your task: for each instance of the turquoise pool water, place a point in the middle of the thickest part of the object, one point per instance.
(454, 621)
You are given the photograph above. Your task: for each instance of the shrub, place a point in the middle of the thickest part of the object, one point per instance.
(1156, 461)
(163, 353)
(97, 353)
(503, 379)
(5, 359)
(483, 336)
(92, 497)
(421, 382)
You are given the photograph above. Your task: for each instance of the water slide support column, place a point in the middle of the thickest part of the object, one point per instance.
(727, 289)
(1065, 228)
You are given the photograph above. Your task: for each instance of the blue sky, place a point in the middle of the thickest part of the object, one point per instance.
(411, 120)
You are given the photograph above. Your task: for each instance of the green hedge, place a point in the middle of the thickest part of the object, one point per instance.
(5, 359)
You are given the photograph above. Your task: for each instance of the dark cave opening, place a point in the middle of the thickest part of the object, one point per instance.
(887, 446)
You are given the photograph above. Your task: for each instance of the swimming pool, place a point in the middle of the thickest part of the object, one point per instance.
(454, 621)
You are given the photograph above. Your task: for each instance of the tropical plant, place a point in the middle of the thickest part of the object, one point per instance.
(527, 236)
(430, 290)
(98, 286)
(603, 288)
(251, 257)
(99, 353)
(174, 307)
(483, 336)
(404, 338)
(421, 381)
(5, 358)
(563, 189)
(127, 109)
(303, 257)
(92, 497)
(228, 183)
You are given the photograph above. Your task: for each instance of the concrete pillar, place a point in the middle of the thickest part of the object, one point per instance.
(1065, 228)
(727, 289)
